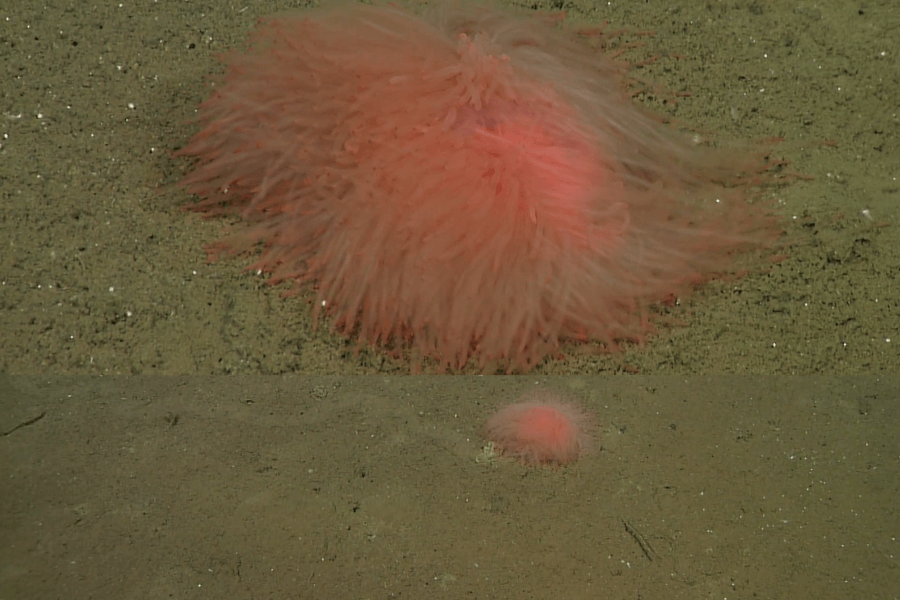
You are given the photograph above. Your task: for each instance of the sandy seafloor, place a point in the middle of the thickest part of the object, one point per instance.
(344, 479)
(377, 487)
(102, 272)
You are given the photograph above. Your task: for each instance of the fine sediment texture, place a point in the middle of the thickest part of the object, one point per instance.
(103, 273)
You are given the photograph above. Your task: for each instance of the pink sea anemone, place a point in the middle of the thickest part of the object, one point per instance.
(541, 429)
(469, 185)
